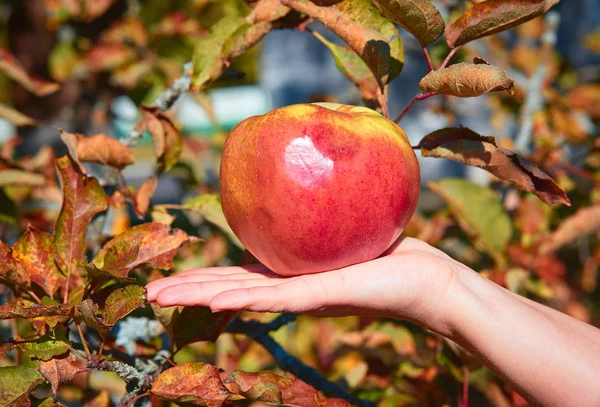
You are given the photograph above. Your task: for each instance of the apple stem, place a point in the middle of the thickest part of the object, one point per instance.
(420, 96)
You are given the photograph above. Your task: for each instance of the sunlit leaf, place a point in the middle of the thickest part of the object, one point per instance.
(493, 16)
(581, 223)
(272, 388)
(143, 195)
(83, 199)
(197, 383)
(59, 370)
(419, 17)
(15, 117)
(478, 211)
(13, 68)
(25, 309)
(35, 251)
(100, 148)
(192, 324)
(122, 301)
(47, 347)
(467, 80)
(465, 146)
(17, 383)
(209, 206)
(365, 30)
(355, 69)
(167, 140)
(153, 244)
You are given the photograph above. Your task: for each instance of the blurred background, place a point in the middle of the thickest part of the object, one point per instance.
(109, 57)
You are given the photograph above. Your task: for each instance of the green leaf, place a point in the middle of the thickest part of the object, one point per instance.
(154, 244)
(83, 198)
(358, 22)
(419, 17)
(192, 324)
(467, 80)
(493, 16)
(467, 147)
(17, 382)
(47, 347)
(209, 51)
(479, 212)
(209, 206)
(122, 301)
(355, 69)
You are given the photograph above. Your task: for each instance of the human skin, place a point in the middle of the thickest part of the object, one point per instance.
(314, 187)
(551, 358)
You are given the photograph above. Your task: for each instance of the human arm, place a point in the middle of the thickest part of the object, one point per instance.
(551, 358)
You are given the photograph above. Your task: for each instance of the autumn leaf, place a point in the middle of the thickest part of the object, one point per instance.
(35, 252)
(25, 309)
(17, 383)
(365, 30)
(122, 301)
(478, 211)
(153, 244)
(14, 70)
(355, 69)
(167, 140)
(108, 57)
(272, 388)
(15, 117)
(419, 17)
(581, 223)
(143, 195)
(193, 382)
(14, 176)
(467, 80)
(83, 199)
(60, 370)
(493, 16)
(186, 325)
(465, 146)
(89, 313)
(12, 272)
(209, 206)
(100, 148)
(101, 400)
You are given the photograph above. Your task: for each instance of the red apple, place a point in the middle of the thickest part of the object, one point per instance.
(315, 187)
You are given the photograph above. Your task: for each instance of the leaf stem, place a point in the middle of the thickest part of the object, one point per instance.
(84, 342)
(465, 389)
(427, 57)
(448, 58)
(420, 96)
(34, 296)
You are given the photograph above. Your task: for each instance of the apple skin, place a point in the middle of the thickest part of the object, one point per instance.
(315, 187)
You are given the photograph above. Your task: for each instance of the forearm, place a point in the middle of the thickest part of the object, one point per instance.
(553, 359)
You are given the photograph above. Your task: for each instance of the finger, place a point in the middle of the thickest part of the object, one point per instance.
(250, 268)
(194, 294)
(408, 244)
(156, 286)
(302, 294)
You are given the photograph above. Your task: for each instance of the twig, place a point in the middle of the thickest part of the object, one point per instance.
(84, 342)
(136, 398)
(421, 96)
(259, 332)
(448, 58)
(34, 296)
(180, 86)
(427, 57)
(76, 352)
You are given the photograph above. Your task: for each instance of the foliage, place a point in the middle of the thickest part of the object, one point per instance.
(80, 329)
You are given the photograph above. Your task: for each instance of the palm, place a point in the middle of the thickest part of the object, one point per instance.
(392, 284)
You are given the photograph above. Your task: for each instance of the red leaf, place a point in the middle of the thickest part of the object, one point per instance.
(143, 196)
(582, 222)
(24, 309)
(100, 148)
